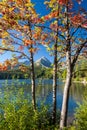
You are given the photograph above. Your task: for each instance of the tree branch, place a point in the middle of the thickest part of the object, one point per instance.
(78, 28)
(42, 26)
(8, 49)
(77, 53)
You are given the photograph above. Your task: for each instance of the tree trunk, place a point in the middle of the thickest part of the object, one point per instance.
(64, 110)
(33, 81)
(63, 118)
(54, 83)
(32, 69)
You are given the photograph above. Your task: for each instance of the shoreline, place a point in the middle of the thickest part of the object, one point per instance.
(74, 81)
(84, 82)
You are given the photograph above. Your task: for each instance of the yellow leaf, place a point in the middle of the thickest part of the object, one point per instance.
(3, 42)
(5, 34)
(29, 4)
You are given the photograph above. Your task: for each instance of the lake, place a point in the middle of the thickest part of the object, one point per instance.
(44, 91)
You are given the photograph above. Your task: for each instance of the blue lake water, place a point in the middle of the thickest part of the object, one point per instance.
(44, 91)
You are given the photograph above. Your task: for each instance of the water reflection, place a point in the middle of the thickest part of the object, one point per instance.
(76, 94)
(44, 91)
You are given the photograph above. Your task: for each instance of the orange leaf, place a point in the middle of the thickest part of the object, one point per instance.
(28, 42)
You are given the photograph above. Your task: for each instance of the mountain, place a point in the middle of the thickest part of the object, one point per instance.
(44, 62)
(27, 63)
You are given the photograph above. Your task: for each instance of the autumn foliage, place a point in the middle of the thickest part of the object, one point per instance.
(3, 67)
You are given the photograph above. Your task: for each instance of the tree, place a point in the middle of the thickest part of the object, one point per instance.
(72, 54)
(72, 26)
(18, 32)
(52, 46)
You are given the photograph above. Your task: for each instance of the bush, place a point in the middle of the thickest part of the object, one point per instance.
(80, 122)
(77, 79)
(16, 113)
(81, 116)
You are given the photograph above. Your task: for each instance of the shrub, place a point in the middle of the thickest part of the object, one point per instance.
(81, 116)
(16, 112)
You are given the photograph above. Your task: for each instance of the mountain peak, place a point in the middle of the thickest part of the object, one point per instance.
(44, 62)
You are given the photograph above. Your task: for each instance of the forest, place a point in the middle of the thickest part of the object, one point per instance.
(61, 29)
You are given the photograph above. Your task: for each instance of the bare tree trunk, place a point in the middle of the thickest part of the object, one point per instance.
(54, 83)
(55, 74)
(33, 81)
(32, 70)
(63, 118)
(64, 110)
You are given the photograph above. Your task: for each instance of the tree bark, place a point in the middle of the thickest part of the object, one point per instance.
(32, 70)
(33, 81)
(63, 118)
(54, 83)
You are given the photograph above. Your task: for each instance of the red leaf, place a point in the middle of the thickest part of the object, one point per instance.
(20, 48)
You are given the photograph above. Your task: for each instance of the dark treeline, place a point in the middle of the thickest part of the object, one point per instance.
(12, 75)
(42, 72)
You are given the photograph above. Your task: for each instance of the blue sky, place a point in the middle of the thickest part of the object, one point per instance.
(41, 9)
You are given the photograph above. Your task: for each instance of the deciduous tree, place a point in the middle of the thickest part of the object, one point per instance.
(18, 32)
(72, 32)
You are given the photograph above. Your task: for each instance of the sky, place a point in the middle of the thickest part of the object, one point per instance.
(41, 10)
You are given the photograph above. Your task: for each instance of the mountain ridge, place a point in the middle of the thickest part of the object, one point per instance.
(44, 62)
